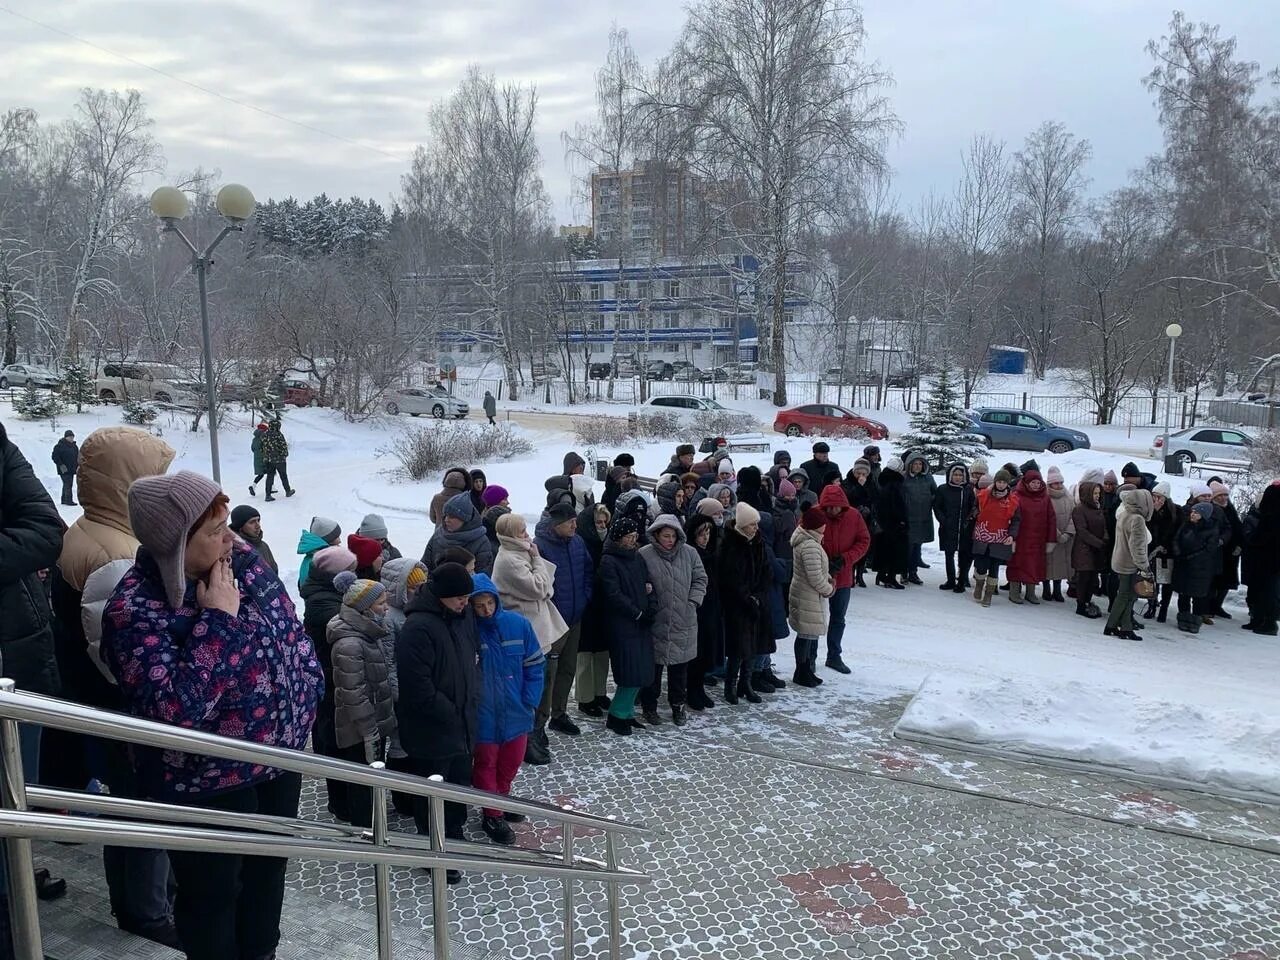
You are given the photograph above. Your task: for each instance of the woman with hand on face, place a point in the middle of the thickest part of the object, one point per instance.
(200, 633)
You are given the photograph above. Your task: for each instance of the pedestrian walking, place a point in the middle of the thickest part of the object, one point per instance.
(246, 523)
(363, 703)
(259, 464)
(513, 672)
(808, 605)
(630, 610)
(679, 584)
(438, 664)
(66, 457)
(490, 408)
(275, 457)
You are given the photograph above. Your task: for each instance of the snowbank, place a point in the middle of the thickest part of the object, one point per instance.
(1230, 748)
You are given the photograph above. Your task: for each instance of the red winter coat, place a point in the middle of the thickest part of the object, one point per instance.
(846, 536)
(1039, 526)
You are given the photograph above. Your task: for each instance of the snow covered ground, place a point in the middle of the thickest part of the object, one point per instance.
(1200, 708)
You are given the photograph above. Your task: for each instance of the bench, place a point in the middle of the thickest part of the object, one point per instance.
(1220, 465)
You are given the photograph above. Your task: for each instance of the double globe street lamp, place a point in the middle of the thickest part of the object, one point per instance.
(235, 203)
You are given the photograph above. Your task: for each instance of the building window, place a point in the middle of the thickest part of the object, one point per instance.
(622, 290)
(572, 291)
(673, 289)
(671, 348)
(643, 289)
(464, 348)
(594, 292)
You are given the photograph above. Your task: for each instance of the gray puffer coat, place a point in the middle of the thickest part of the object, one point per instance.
(679, 587)
(364, 707)
(810, 584)
(918, 489)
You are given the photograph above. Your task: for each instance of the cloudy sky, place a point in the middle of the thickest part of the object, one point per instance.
(298, 97)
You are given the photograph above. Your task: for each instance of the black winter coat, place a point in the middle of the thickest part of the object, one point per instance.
(1195, 553)
(710, 614)
(438, 670)
(30, 541)
(862, 497)
(629, 614)
(594, 636)
(321, 601)
(743, 580)
(1163, 526)
(892, 546)
(66, 455)
(1110, 504)
(1260, 561)
(955, 508)
(1232, 534)
(820, 474)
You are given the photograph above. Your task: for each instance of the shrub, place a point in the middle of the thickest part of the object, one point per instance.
(31, 404)
(602, 431)
(426, 450)
(138, 412)
(1265, 454)
(78, 387)
(645, 427)
(722, 423)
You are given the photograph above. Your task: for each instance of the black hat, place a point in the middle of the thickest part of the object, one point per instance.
(871, 451)
(685, 449)
(821, 447)
(450, 580)
(242, 515)
(561, 513)
(621, 527)
(69, 435)
(1130, 470)
(624, 460)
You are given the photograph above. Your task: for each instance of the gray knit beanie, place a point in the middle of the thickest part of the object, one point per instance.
(326, 529)
(373, 527)
(162, 511)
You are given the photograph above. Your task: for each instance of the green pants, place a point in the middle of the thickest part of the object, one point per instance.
(624, 703)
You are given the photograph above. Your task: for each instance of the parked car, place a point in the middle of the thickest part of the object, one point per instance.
(20, 374)
(659, 370)
(850, 378)
(902, 378)
(546, 370)
(728, 373)
(1005, 429)
(827, 419)
(142, 380)
(1197, 443)
(686, 372)
(436, 401)
(600, 371)
(687, 406)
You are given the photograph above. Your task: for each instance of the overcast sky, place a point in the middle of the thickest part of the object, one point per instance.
(367, 71)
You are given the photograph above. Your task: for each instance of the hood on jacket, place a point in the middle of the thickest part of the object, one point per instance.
(457, 478)
(957, 465)
(713, 492)
(1027, 476)
(696, 523)
(833, 495)
(633, 504)
(799, 472)
(666, 494)
(750, 484)
(308, 542)
(483, 584)
(666, 521)
(111, 458)
(395, 576)
(1139, 501)
(911, 457)
(1084, 494)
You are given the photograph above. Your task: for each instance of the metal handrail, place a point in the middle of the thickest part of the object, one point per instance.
(64, 715)
(221, 831)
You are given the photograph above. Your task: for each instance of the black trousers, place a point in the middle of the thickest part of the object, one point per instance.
(228, 906)
(677, 686)
(67, 480)
(966, 561)
(1201, 606)
(358, 800)
(455, 769)
(987, 566)
(1086, 586)
(278, 468)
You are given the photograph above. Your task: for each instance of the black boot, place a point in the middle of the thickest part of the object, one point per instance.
(803, 676)
(745, 689)
(773, 678)
(759, 684)
(1057, 592)
(537, 752)
(731, 681)
(617, 725)
(678, 716)
(1044, 591)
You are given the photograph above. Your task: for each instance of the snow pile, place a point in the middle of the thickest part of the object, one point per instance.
(1228, 749)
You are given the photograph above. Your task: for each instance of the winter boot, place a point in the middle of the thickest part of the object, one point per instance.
(678, 716)
(1015, 592)
(1188, 623)
(498, 830)
(537, 752)
(619, 726)
(988, 590)
(1057, 592)
(651, 717)
(979, 585)
(947, 585)
(1045, 594)
(859, 580)
(773, 678)
(1030, 595)
(1150, 612)
(759, 684)
(731, 681)
(745, 689)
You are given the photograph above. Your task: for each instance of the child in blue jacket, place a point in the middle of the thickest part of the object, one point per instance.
(513, 666)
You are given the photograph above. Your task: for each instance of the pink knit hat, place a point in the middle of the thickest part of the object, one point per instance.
(1054, 475)
(162, 510)
(787, 490)
(333, 560)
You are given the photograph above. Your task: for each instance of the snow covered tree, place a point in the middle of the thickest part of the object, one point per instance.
(78, 385)
(941, 431)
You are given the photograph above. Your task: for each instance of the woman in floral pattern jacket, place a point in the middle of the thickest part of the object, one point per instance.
(200, 633)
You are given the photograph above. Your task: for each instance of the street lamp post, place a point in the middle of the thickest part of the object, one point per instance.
(236, 204)
(1173, 331)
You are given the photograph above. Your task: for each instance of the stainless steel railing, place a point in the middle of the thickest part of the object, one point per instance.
(171, 826)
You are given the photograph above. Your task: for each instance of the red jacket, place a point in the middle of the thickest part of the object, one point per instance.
(1038, 527)
(846, 536)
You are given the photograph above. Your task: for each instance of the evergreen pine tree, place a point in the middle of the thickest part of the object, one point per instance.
(941, 431)
(78, 386)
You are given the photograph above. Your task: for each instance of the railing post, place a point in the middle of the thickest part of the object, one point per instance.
(569, 932)
(439, 878)
(381, 871)
(615, 921)
(24, 913)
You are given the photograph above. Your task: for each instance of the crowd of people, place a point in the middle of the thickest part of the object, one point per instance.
(166, 602)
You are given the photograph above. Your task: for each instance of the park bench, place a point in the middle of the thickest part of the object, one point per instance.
(1219, 466)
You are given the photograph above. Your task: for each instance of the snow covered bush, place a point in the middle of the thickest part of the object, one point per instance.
(602, 431)
(424, 451)
(1266, 465)
(941, 431)
(31, 404)
(139, 412)
(721, 423)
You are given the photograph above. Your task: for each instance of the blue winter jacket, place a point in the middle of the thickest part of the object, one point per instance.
(513, 667)
(308, 544)
(575, 573)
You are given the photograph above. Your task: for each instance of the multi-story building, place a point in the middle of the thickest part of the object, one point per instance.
(654, 210)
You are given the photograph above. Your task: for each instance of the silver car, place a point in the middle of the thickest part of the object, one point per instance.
(436, 401)
(1197, 443)
(20, 374)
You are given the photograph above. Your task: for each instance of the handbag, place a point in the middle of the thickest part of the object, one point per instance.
(1164, 571)
(1144, 589)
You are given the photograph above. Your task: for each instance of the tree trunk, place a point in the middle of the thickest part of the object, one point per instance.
(778, 333)
(10, 327)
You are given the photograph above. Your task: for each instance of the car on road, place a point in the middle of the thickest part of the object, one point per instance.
(21, 374)
(144, 380)
(659, 370)
(828, 420)
(1197, 443)
(436, 401)
(1008, 429)
(688, 407)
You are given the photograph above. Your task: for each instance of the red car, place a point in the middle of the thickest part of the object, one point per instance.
(828, 420)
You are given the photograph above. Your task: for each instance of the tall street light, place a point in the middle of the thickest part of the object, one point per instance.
(1173, 331)
(236, 204)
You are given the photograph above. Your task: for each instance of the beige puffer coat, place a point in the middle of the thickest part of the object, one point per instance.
(526, 585)
(679, 587)
(1058, 560)
(1129, 555)
(363, 704)
(811, 584)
